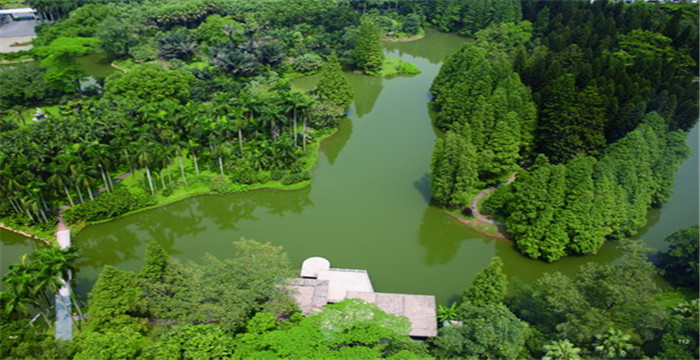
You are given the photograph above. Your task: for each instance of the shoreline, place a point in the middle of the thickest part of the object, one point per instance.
(20, 232)
(269, 186)
(474, 225)
(403, 39)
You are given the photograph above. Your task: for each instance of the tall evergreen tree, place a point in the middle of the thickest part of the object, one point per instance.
(369, 54)
(453, 169)
(333, 86)
(489, 286)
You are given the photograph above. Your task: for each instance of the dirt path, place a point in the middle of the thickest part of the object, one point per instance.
(480, 222)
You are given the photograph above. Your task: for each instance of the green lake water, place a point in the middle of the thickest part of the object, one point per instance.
(367, 206)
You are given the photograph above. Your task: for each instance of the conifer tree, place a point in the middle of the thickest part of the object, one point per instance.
(156, 262)
(369, 54)
(453, 169)
(333, 86)
(489, 286)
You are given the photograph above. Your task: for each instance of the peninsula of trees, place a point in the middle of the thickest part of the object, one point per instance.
(587, 103)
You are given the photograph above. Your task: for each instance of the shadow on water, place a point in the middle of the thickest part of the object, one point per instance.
(442, 236)
(332, 148)
(366, 90)
(423, 187)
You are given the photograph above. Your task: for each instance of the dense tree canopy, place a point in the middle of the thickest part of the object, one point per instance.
(680, 262)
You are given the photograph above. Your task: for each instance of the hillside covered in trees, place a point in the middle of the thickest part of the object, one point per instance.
(587, 103)
(202, 103)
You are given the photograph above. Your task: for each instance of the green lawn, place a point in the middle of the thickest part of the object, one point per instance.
(395, 67)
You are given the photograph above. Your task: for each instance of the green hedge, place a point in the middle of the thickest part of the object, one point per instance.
(108, 205)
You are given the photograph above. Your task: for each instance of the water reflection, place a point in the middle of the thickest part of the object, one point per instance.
(332, 148)
(441, 236)
(367, 90)
(423, 187)
(434, 47)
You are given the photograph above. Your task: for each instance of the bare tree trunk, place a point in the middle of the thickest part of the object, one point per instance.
(104, 178)
(89, 191)
(240, 140)
(196, 166)
(80, 194)
(128, 161)
(43, 214)
(303, 136)
(182, 169)
(150, 180)
(70, 199)
(221, 165)
(15, 206)
(295, 126)
(162, 179)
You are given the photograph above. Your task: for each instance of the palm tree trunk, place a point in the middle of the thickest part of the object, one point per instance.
(295, 126)
(43, 214)
(104, 178)
(29, 213)
(162, 179)
(70, 199)
(77, 306)
(46, 319)
(89, 191)
(303, 136)
(128, 161)
(80, 194)
(16, 207)
(182, 169)
(150, 181)
(196, 166)
(221, 165)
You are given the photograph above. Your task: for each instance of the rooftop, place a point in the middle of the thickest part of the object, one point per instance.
(320, 284)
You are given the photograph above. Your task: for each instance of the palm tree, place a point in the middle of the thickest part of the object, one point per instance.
(55, 268)
(561, 350)
(144, 158)
(613, 344)
(239, 123)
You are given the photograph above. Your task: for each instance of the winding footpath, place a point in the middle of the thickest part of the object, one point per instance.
(480, 222)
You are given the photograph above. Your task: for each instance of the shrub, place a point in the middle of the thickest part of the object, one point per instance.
(108, 205)
(167, 192)
(307, 62)
(262, 177)
(243, 175)
(296, 178)
(278, 175)
(219, 183)
(143, 52)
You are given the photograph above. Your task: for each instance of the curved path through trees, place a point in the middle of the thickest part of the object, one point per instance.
(480, 222)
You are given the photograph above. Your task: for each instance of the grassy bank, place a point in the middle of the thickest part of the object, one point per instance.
(200, 185)
(394, 67)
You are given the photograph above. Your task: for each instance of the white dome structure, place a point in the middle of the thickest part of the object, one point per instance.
(312, 266)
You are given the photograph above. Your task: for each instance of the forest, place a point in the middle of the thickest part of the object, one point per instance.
(587, 104)
(232, 308)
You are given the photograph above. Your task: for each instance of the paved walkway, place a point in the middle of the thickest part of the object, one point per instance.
(64, 323)
(16, 32)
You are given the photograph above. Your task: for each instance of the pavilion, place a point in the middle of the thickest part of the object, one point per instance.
(320, 284)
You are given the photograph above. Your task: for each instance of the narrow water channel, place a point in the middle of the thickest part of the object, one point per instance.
(367, 207)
